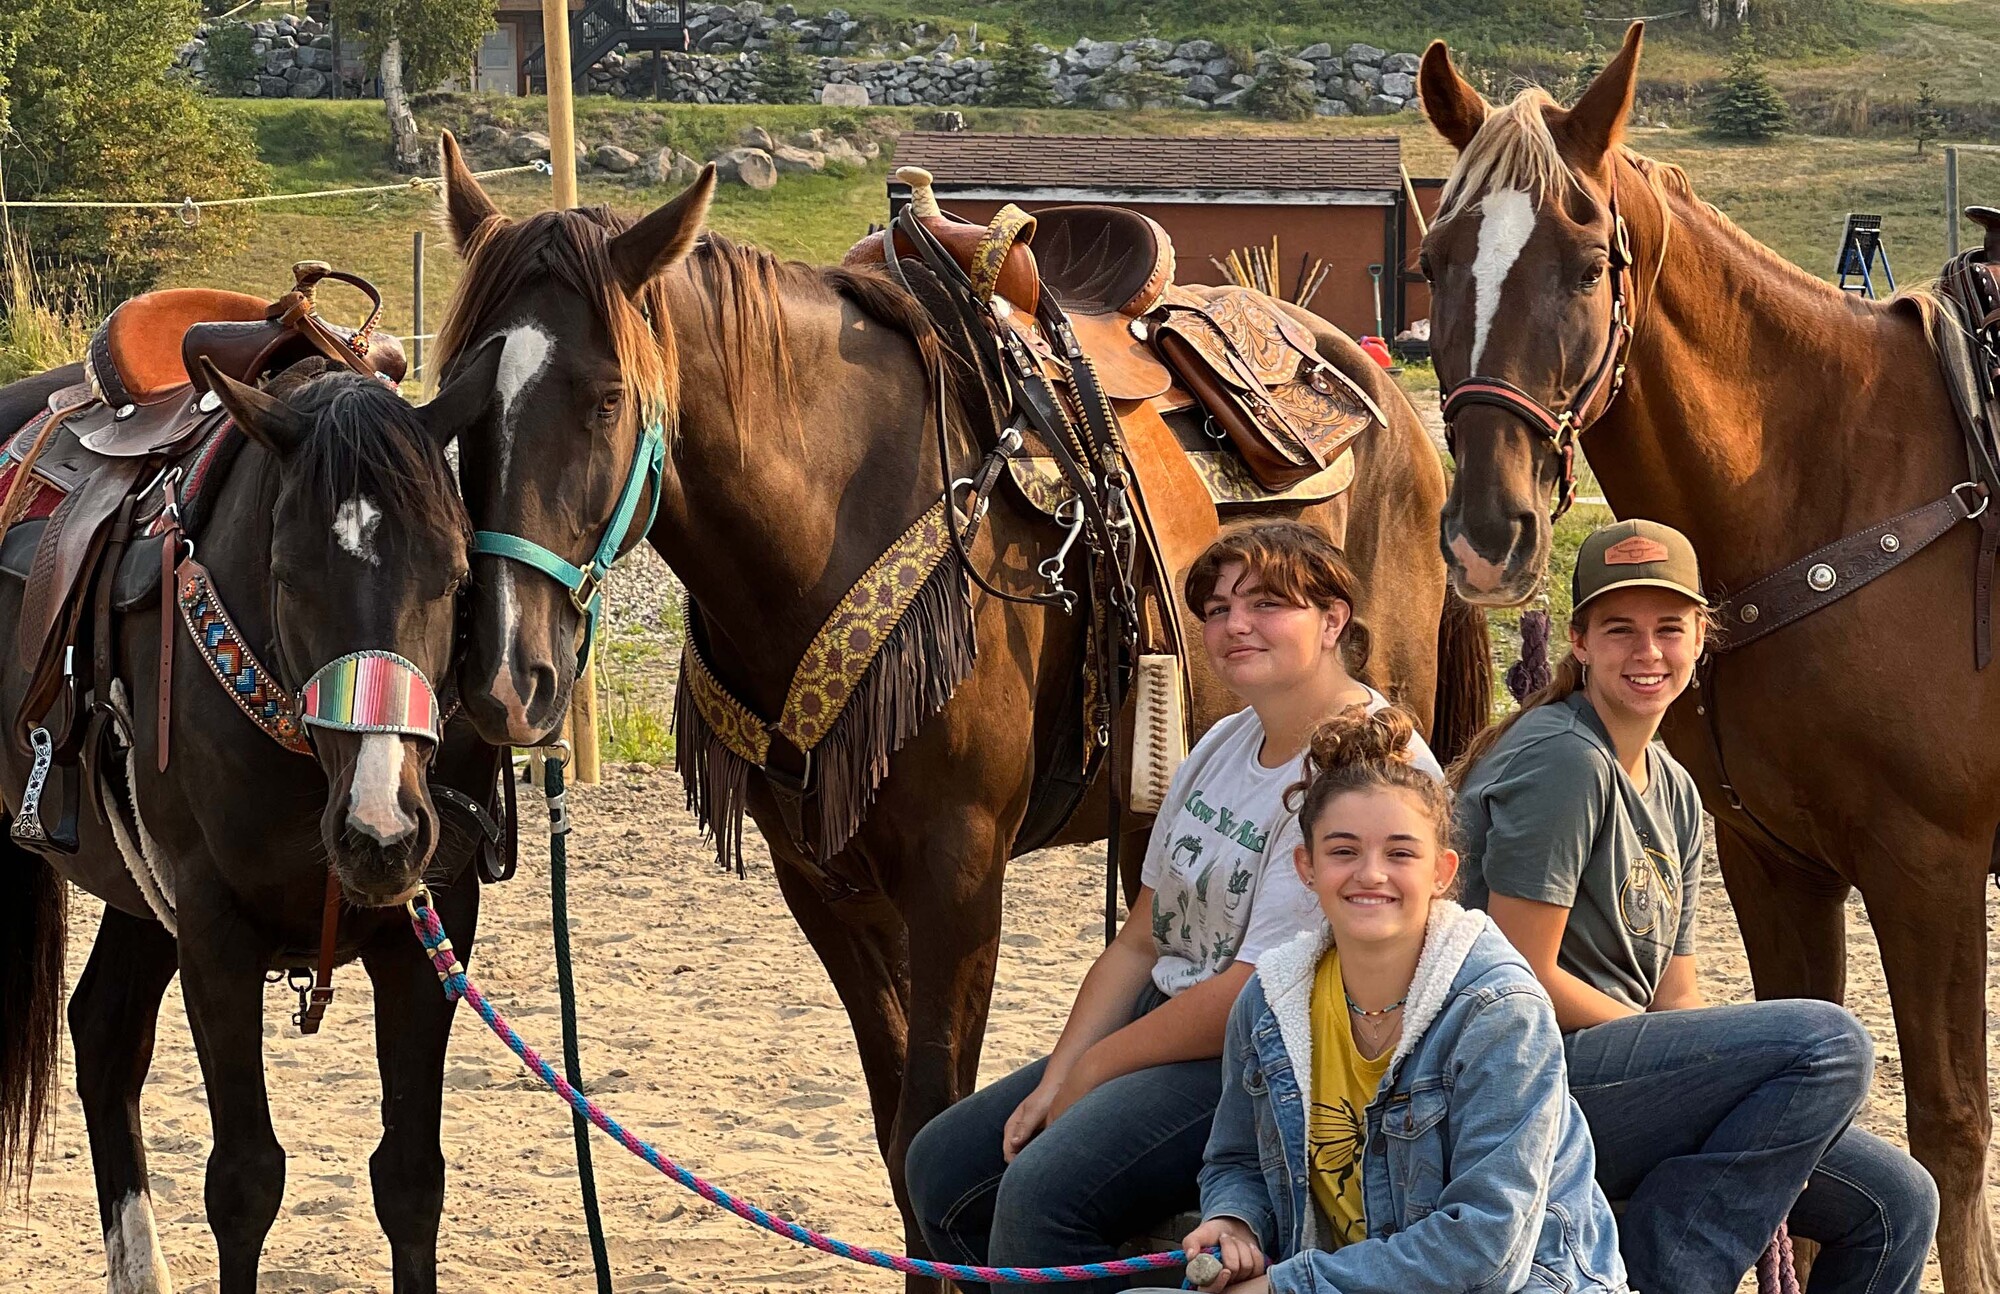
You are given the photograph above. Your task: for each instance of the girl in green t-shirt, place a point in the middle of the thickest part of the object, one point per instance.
(1582, 838)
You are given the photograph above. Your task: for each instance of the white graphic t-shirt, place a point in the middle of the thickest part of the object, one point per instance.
(1219, 860)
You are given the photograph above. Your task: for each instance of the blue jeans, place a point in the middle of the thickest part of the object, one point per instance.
(1714, 1125)
(1124, 1157)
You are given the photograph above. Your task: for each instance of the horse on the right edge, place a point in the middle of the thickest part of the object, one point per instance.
(1841, 731)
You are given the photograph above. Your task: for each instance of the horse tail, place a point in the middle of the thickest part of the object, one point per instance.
(1464, 697)
(33, 931)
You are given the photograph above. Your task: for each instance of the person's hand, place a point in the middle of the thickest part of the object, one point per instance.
(1028, 1118)
(1242, 1258)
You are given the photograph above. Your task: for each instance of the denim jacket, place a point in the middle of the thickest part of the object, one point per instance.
(1478, 1168)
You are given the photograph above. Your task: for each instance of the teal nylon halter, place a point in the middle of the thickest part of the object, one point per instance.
(586, 583)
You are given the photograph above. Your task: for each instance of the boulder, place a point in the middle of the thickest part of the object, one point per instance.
(1102, 55)
(798, 161)
(1332, 108)
(1219, 66)
(1381, 105)
(1198, 50)
(614, 159)
(1402, 63)
(273, 87)
(835, 94)
(310, 85)
(1314, 53)
(487, 135)
(750, 167)
(755, 137)
(813, 139)
(749, 11)
(529, 146)
(841, 152)
(1359, 53)
(1203, 86)
(1231, 99)
(669, 166)
(949, 45)
(1400, 85)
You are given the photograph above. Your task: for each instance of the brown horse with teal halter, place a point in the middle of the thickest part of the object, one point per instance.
(799, 406)
(1807, 442)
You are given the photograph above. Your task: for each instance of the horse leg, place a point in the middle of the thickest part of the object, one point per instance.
(112, 1019)
(222, 982)
(1930, 923)
(861, 943)
(412, 1026)
(956, 901)
(1793, 921)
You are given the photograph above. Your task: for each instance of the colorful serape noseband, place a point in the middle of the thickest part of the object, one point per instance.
(371, 691)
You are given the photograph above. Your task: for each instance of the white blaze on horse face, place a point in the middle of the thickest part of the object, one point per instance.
(132, 1256)
(375, 802)
(354, 528)
(1506, 219)
(523, 356)
(502, 686)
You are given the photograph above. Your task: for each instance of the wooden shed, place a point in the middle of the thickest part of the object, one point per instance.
(1341, 200)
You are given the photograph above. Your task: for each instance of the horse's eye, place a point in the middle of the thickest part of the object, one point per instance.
(1591, 278)
(609, 404)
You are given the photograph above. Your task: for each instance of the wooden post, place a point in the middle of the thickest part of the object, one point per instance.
(582, 723)
(1950, 202)
(562, 114)
(424, 384)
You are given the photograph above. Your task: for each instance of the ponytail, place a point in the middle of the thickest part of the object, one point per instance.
(1567, 679)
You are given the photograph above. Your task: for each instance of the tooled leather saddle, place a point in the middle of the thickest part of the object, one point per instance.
(103, 463)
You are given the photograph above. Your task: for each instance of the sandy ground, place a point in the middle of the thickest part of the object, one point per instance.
(710, 1028)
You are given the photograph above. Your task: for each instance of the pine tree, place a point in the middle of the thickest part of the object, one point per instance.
(1020, 75)
(1928, 119)
(1749, 106)
(1283, 90)
(1146, 84)
(782, 76)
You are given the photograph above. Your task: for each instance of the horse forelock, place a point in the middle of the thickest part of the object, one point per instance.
(368, 442)
(573, 249)
(1514, 149)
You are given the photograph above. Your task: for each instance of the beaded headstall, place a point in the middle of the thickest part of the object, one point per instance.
(364, 691)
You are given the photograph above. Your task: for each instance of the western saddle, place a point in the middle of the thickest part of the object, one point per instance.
(1214, 399)
(112, 459)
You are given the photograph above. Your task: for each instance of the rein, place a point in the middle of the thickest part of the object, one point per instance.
(586, 583)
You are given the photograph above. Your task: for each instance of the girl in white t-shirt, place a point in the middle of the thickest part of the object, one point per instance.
(1065, 1159)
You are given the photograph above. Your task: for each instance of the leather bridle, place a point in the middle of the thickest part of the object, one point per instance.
(1560, 429)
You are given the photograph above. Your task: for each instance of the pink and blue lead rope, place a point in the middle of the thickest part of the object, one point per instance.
(458, 985)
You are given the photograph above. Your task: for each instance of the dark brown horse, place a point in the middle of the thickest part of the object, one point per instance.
(336, 531)
(798, 406)
(1764, 413)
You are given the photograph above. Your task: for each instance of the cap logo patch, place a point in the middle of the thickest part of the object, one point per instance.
(1635, 551)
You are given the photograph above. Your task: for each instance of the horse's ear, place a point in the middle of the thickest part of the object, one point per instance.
(648, 248)
(1596, 125)
(465, 397)
(1454, 108)
(466, 206)
(264, 418)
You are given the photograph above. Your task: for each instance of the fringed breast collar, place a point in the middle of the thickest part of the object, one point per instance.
(886, 659)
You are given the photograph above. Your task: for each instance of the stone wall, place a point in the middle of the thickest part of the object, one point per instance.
(730, 42)
(294, 59)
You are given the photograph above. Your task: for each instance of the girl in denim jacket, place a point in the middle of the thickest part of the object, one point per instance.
(1395, 1116)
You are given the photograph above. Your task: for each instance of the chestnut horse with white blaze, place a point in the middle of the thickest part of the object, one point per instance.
(1581, 290)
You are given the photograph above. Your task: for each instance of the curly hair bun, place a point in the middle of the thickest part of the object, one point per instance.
(1355, 737)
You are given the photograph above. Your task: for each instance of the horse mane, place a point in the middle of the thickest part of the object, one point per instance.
(1515, 148)
(573, 247)
(367, 440)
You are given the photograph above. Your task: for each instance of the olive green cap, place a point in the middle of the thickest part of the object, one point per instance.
(1635, 554)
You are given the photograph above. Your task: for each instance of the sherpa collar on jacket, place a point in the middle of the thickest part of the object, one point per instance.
(1287, 976)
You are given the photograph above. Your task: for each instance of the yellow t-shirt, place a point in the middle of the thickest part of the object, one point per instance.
(1343, 1083)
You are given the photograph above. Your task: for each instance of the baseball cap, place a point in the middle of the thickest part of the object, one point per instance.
(1635, 554)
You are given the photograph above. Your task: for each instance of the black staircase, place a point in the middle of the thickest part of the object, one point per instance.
(602, 26)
